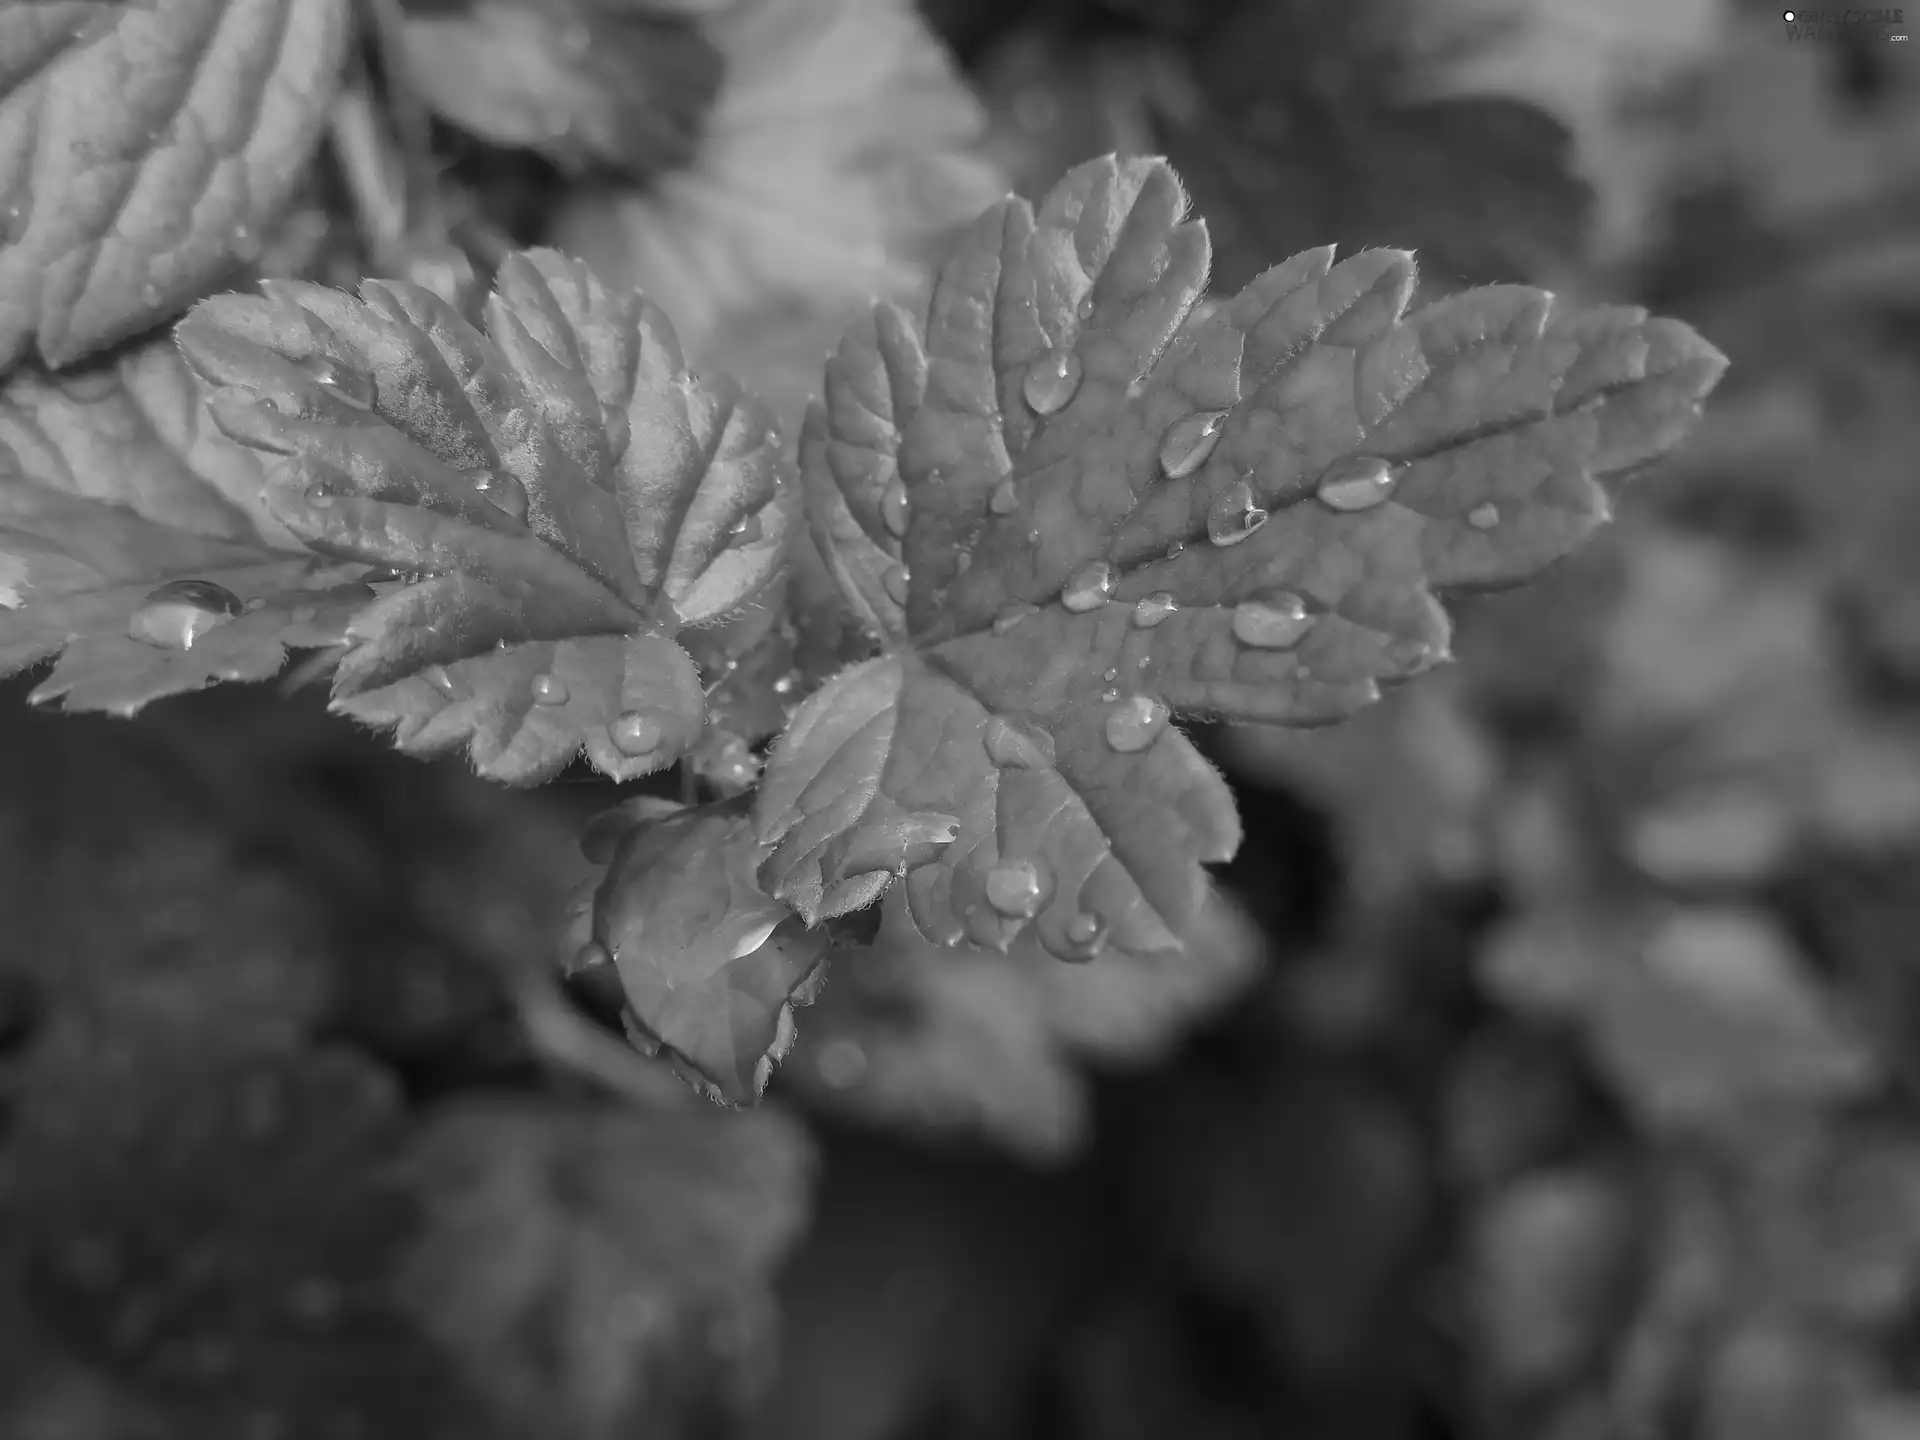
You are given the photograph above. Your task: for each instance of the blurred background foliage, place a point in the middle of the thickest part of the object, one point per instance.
(1550, 1065)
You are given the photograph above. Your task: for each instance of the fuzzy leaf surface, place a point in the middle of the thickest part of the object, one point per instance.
(114, 483)
(1069, 512)
(143, 148)
(556, 496)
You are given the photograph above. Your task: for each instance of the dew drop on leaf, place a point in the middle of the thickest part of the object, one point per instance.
(1016, 888)
(1005, 499)
(1088, 587)
(319, 496)
(1135, 723)
(1151, 610)
(1084, 310)
(346, 382)
(1233, 516)
(1358, 482)
(1274, 624)
(1484, 517)
(1052, 381)
(745, 530)
(181, 611)
(1189, 441)
(442, 680)
(1110, 695)
(549, 690)
(753, 939)
(1010, 616)
(1112, 673)
(893, 508)
(1086, 933)
(1013, 747)
(502, 490)
(895, 582)
(785, 684)
(638, 732)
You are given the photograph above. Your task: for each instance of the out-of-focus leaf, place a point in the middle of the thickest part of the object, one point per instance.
(557, 497)
(1066, 517)
(145, 147)
(134, 547)
(594, 1273)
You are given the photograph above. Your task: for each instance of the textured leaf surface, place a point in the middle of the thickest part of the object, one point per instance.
(639, 1247)
(709, 964)
(556, 497)
(1070, 515)
(142, 150)
(113, 483)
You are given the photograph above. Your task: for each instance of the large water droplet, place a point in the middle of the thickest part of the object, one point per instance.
(1010, 616)
(343, 380)
(1484, 517)
(1189, 441)
(893, 508)
(1358, 482)
(1151, 610)
(1135, 723)
(1273, 624)
(895, 584)
(1005, 499)
(639, 732)
(549, 690)
(1052, 381)
(1088, 587)
(1014, 747)
(181, 611)
(501, 489)
(1233, 516)
(1016, 888)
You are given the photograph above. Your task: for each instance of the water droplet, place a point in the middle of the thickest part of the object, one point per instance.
(1484, 517)
(751, 940)
(745, 530)
(1358, 482)
(1084, 310)
(319, 496)
(1189, 441)
(895, 583)
(1175, 549)
(639, 732)
(1014, 747)
(549, 690)
(345, 381)
(443, 680)
(1112, 673)
(1275, 624)
(1052, 381)
(1135, 723)
(1150, 610)
(1010, 616)
(1233, 515)
(501, 489)
(1088, 587)
(1086, 933)
(785, 684)
(1005, 499)
(177, 614)
(1016, 889)
(1109, 695)
(893, 508)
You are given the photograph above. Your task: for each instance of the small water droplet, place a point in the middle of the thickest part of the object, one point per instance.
(319, 496)
(1016, 888)
(895, 583)
(1088, 587)
(893, 508)
(1175, 549)
(1052, 381)
(1005, 499)
(1014, 747)
(1112, 673)
(1109, 695)
(501, 490)
(746, 530)
(345, 381)
(785, 684)
(177, 614)
(1358, 482)
(1151, 610)
(1086, 932)
(1274, 624)
(1484, 517)
(1135, 723)
(1233, 515)
(442, 679)
(1084, 310)
(1189, 441)
(549, 690)
(1010, 616)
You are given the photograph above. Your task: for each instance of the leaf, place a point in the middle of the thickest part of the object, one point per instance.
(604, 1275)
(1068, 516)
(145, 147)
(112, 486)
(711, 967)
(557, 496)
(589, 86)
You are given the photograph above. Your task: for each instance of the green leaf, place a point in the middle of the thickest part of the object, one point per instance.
(710, 966)
(558, 496)
(147, 146)
(604, 1274)
(1087, 513)
(133, 544)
